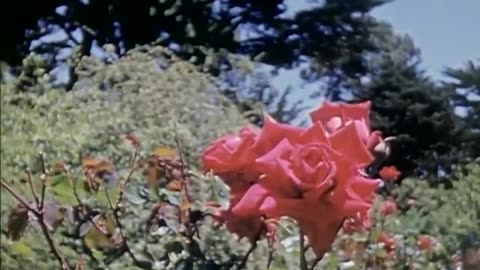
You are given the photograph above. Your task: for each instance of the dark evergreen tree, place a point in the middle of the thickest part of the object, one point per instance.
(464, 87)
(407, 104)
(334, 32)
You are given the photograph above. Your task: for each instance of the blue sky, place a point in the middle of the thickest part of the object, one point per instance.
(446, 31)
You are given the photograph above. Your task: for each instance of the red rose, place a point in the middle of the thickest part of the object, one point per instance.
(230, 153)
(387, 241)
(231, 158)
(335, 116)
(348, 127)
(389, 173)
(355, 224)
(389, 207)
(309, 174)
(425, 242)
(303, 181)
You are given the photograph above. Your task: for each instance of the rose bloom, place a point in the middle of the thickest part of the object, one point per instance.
(388, 242)
(309, 174)
(389, 173)
(389, 207)
(425, 242)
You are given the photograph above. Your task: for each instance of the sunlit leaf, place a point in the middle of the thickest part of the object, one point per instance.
(165, 152)
(17, 222)
(98, 237)
(97, 255)
(63, 192)
(101, 196)
(20, 249)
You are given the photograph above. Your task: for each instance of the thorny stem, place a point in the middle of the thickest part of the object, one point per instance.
(191, 227)
(129, 177)
(303, 260)
(314, 264)
(51, 244)
(39, 215)
(32, 187)
(120, 228)
(182, 169)
(80, 203)
(243, 263)
(270, 258)
(17, 196)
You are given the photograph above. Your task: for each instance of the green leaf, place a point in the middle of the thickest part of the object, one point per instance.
(132, 194)
(63, 192)
(20, 249)
(113, 192)
(97, 255)
(95, 239)
(173, 197)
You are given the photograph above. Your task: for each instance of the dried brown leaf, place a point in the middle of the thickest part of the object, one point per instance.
(174, 185)
(132, 139)
(17, 222)
(97, 165)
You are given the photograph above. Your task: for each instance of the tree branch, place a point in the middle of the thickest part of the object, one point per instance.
(17, 196)
(129, 177)
(39, 215)
(32, 186)
(120, 228)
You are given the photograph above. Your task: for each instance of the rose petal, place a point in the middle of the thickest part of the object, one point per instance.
(268, 163)
(272, 133)
(250, 202)
(348, 142)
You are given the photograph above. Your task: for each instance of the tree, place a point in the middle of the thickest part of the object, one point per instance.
(407, 104)
(333, 33)
(464, 87)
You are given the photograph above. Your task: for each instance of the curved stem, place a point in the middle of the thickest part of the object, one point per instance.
(303, 260)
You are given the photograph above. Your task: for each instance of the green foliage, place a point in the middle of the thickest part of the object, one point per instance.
(449, 214)
(408, 105)
(463, 85)
(148, 92)
(161, 99)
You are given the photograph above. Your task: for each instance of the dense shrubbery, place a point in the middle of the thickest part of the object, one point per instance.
(164, 101)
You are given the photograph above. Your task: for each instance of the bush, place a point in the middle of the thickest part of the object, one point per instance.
(174, 111)
(148, 92)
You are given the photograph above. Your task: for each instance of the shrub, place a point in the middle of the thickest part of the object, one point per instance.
(148, 92)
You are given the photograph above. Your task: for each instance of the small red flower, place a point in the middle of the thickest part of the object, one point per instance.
(389, 207)
(389, 173)
(356, 224)
(387, 241)
(425, 242)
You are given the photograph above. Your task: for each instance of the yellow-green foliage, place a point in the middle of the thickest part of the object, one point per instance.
(148, 92)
